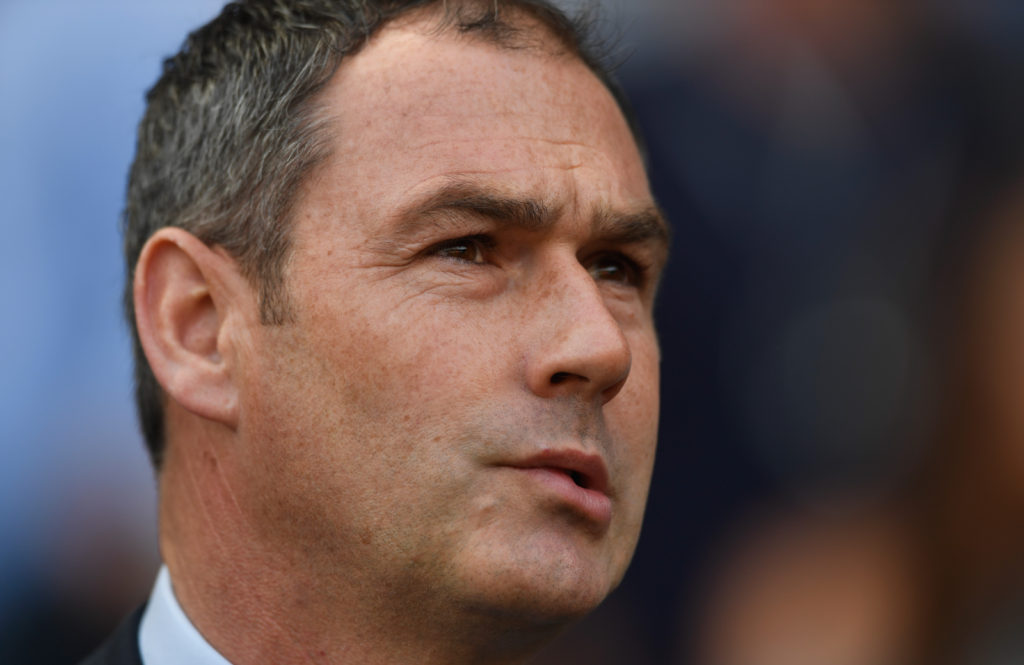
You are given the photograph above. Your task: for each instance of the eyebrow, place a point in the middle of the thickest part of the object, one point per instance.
(646, 224)
(461, 196)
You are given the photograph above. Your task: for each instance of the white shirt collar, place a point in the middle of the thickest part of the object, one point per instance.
(166, 636)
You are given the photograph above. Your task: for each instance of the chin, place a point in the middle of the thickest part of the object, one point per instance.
(546, 584)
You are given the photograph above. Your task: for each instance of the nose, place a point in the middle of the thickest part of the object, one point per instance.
(579, 348)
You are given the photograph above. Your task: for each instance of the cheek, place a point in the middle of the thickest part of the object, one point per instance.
(642, 389)
(400, 380)
(632, 419)
(347, 422)
(423, 362)
(632, 416)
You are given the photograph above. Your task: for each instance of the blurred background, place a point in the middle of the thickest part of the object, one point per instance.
(841, 469)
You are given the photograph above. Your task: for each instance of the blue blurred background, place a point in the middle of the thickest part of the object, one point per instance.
(809, 154)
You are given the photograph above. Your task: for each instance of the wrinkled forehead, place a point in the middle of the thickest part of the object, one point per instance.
(430, 76)
(419, 99)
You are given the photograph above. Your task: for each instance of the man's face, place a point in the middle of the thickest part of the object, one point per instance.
(464, 406)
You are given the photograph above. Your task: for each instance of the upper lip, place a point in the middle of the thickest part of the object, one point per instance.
(588, 470)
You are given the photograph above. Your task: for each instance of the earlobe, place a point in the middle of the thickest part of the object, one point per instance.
(184, 294)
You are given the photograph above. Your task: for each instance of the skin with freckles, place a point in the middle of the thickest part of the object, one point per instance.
(471, 288)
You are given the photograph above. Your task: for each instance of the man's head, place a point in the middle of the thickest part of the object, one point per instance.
(233, 126)
(440, 411)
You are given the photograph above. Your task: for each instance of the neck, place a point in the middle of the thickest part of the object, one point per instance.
(255, 601)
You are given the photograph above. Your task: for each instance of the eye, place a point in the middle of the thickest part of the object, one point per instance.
(616, 268)
(470, 249)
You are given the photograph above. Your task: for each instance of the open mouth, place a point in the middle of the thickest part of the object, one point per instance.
(584, 493)
(585, 470)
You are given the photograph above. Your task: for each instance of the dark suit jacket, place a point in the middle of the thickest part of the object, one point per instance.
(121, 648)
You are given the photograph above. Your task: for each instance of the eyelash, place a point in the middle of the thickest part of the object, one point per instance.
(483, 243)
(635, 270)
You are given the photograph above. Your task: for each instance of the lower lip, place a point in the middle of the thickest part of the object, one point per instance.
(591, 504)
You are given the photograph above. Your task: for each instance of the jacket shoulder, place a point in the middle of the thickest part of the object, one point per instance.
(122, 647)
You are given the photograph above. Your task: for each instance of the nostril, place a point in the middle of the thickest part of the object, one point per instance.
(559, 377)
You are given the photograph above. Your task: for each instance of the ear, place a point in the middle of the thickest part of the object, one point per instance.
(189, 299)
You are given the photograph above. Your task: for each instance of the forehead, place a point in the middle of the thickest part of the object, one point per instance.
(419, 105)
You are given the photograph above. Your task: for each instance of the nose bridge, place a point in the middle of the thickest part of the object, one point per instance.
(578, 297)
(581, 347)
